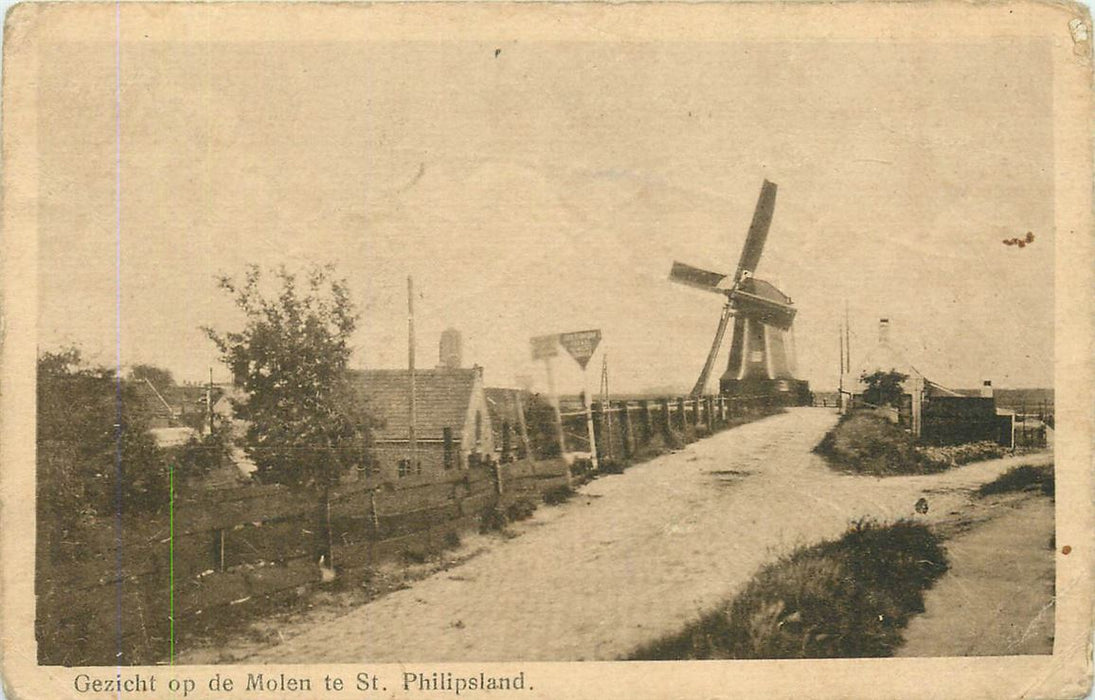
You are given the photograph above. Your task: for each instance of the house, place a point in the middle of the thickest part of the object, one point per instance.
(452, 424)
(885, 357)
(932, 412)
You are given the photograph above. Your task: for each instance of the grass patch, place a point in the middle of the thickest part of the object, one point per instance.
(867, 443)
(559, 494)
(849, 597)
(1025, 477)
(864, 442)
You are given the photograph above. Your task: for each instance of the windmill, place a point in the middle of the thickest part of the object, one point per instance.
(761, 359)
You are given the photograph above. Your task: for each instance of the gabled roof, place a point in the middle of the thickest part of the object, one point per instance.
(442, 397)
(181, 399)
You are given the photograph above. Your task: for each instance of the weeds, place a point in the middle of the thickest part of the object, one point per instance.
(867, 443)
(492, 520)
(557, 495)
(1022, 478)
(611, 465)
(451, 539)
(845, 598)
(521, 509)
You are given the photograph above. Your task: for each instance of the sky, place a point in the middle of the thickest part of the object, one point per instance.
(543, 187)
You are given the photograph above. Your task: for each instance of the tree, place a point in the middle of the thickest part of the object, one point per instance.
(95, 455)
(306, 424)
(542, 430)
(157, 376)
(883, 388)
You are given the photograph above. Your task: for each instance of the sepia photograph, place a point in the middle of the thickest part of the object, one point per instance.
(431, 342)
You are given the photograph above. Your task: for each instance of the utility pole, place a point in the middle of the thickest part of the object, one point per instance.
(588, 400)
(209, 400)
(606, 405)
(412, 444)
(840, 391)
(847, 338)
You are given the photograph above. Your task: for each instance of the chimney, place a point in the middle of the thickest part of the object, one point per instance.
(451, 349)
(986, 389)
(883, 331)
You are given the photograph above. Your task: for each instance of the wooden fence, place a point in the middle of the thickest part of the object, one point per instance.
(217, 552)
(221, 549)
(622, 429)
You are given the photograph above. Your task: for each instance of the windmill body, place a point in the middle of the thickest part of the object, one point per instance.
(761, 359)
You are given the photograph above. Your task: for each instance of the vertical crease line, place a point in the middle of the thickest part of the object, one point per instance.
(118, 475)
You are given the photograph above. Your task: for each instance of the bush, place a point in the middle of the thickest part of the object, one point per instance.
(867, 443)
(95, 454)
(542, 431)
(521, 509)
(557, 495)
(611, 465)
(845, 598)
(1025, 477)
(492, 520)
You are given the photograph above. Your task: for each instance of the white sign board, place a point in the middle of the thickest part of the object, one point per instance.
(581, 344)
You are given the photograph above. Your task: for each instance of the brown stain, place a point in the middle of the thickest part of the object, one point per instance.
(1065, 550)
(1021, 242)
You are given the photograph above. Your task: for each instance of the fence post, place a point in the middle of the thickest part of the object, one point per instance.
(696, 413)
(667, 425)
(603, 448)
(507, 446)
(626, 436)
(647, 420)
(682, 419)
(498, 478)
(709, 412)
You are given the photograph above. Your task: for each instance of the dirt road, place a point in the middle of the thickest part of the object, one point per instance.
(997, 597)
(634, 556)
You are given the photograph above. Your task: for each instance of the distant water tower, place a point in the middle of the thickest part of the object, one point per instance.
(452, 349)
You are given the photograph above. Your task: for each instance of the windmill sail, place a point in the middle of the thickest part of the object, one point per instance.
(758, 231)
(701, 383)
(695, 277)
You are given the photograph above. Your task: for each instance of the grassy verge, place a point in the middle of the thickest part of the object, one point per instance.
(1025, 477)
(849, 597)
(864, 442)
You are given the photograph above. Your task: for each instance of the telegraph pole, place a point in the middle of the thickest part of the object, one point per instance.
(847, 338)
(209, 400)
(412, 444)
(840, 391)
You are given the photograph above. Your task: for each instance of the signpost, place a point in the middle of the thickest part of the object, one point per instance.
(581, 345)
